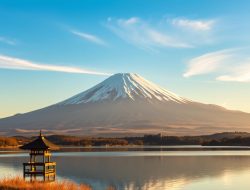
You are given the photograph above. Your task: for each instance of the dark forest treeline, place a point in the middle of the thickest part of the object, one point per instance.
(145, 140)
(218, 139)
(86, 141)
(237, 141)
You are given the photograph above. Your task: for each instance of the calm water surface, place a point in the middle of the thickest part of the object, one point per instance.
(160, 168)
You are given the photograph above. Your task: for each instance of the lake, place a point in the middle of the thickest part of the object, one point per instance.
(147, 168)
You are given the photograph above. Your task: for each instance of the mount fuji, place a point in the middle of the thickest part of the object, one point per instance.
(126, 104)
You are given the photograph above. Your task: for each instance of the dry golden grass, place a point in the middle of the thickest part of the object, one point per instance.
(17, 183)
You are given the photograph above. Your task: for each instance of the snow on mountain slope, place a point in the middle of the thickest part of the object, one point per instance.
(124, 85)
(124, 105)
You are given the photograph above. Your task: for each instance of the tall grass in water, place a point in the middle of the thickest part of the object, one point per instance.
(17, 183)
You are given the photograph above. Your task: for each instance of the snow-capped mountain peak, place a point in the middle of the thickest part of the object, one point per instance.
(124, 86)
(123, 105)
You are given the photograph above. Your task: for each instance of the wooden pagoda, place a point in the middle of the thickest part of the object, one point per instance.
(40, 164)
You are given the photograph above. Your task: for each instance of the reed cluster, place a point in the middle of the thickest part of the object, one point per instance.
(17, 183)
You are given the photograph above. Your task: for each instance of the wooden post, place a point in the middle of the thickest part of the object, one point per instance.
(24, 172)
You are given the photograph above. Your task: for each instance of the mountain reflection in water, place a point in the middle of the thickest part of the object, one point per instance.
(146, 172)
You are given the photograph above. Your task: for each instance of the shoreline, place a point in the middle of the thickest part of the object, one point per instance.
(64, 141)
(143, 148)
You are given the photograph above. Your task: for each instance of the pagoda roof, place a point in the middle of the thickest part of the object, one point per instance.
(41, 143)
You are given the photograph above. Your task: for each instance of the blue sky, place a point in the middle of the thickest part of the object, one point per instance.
(50, 50)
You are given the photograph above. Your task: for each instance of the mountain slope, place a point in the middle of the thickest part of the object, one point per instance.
(127, 104)
(121, 86)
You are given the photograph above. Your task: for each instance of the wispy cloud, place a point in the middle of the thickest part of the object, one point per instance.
(88, 37)
(193, 24)
(239, 73)
(7, 41)
(139, 33)
(207, 63)
(7, 62)
(171, 34)
(230, 65)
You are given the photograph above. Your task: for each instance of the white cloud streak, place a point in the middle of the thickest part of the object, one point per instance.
(231, 65)
(139, 33)
(7, 62)
(199, 25)
(89, 37)
(207, 63)
(7, 41)
(239, 74)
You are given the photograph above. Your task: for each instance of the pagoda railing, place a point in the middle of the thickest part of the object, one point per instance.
(44, 169)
